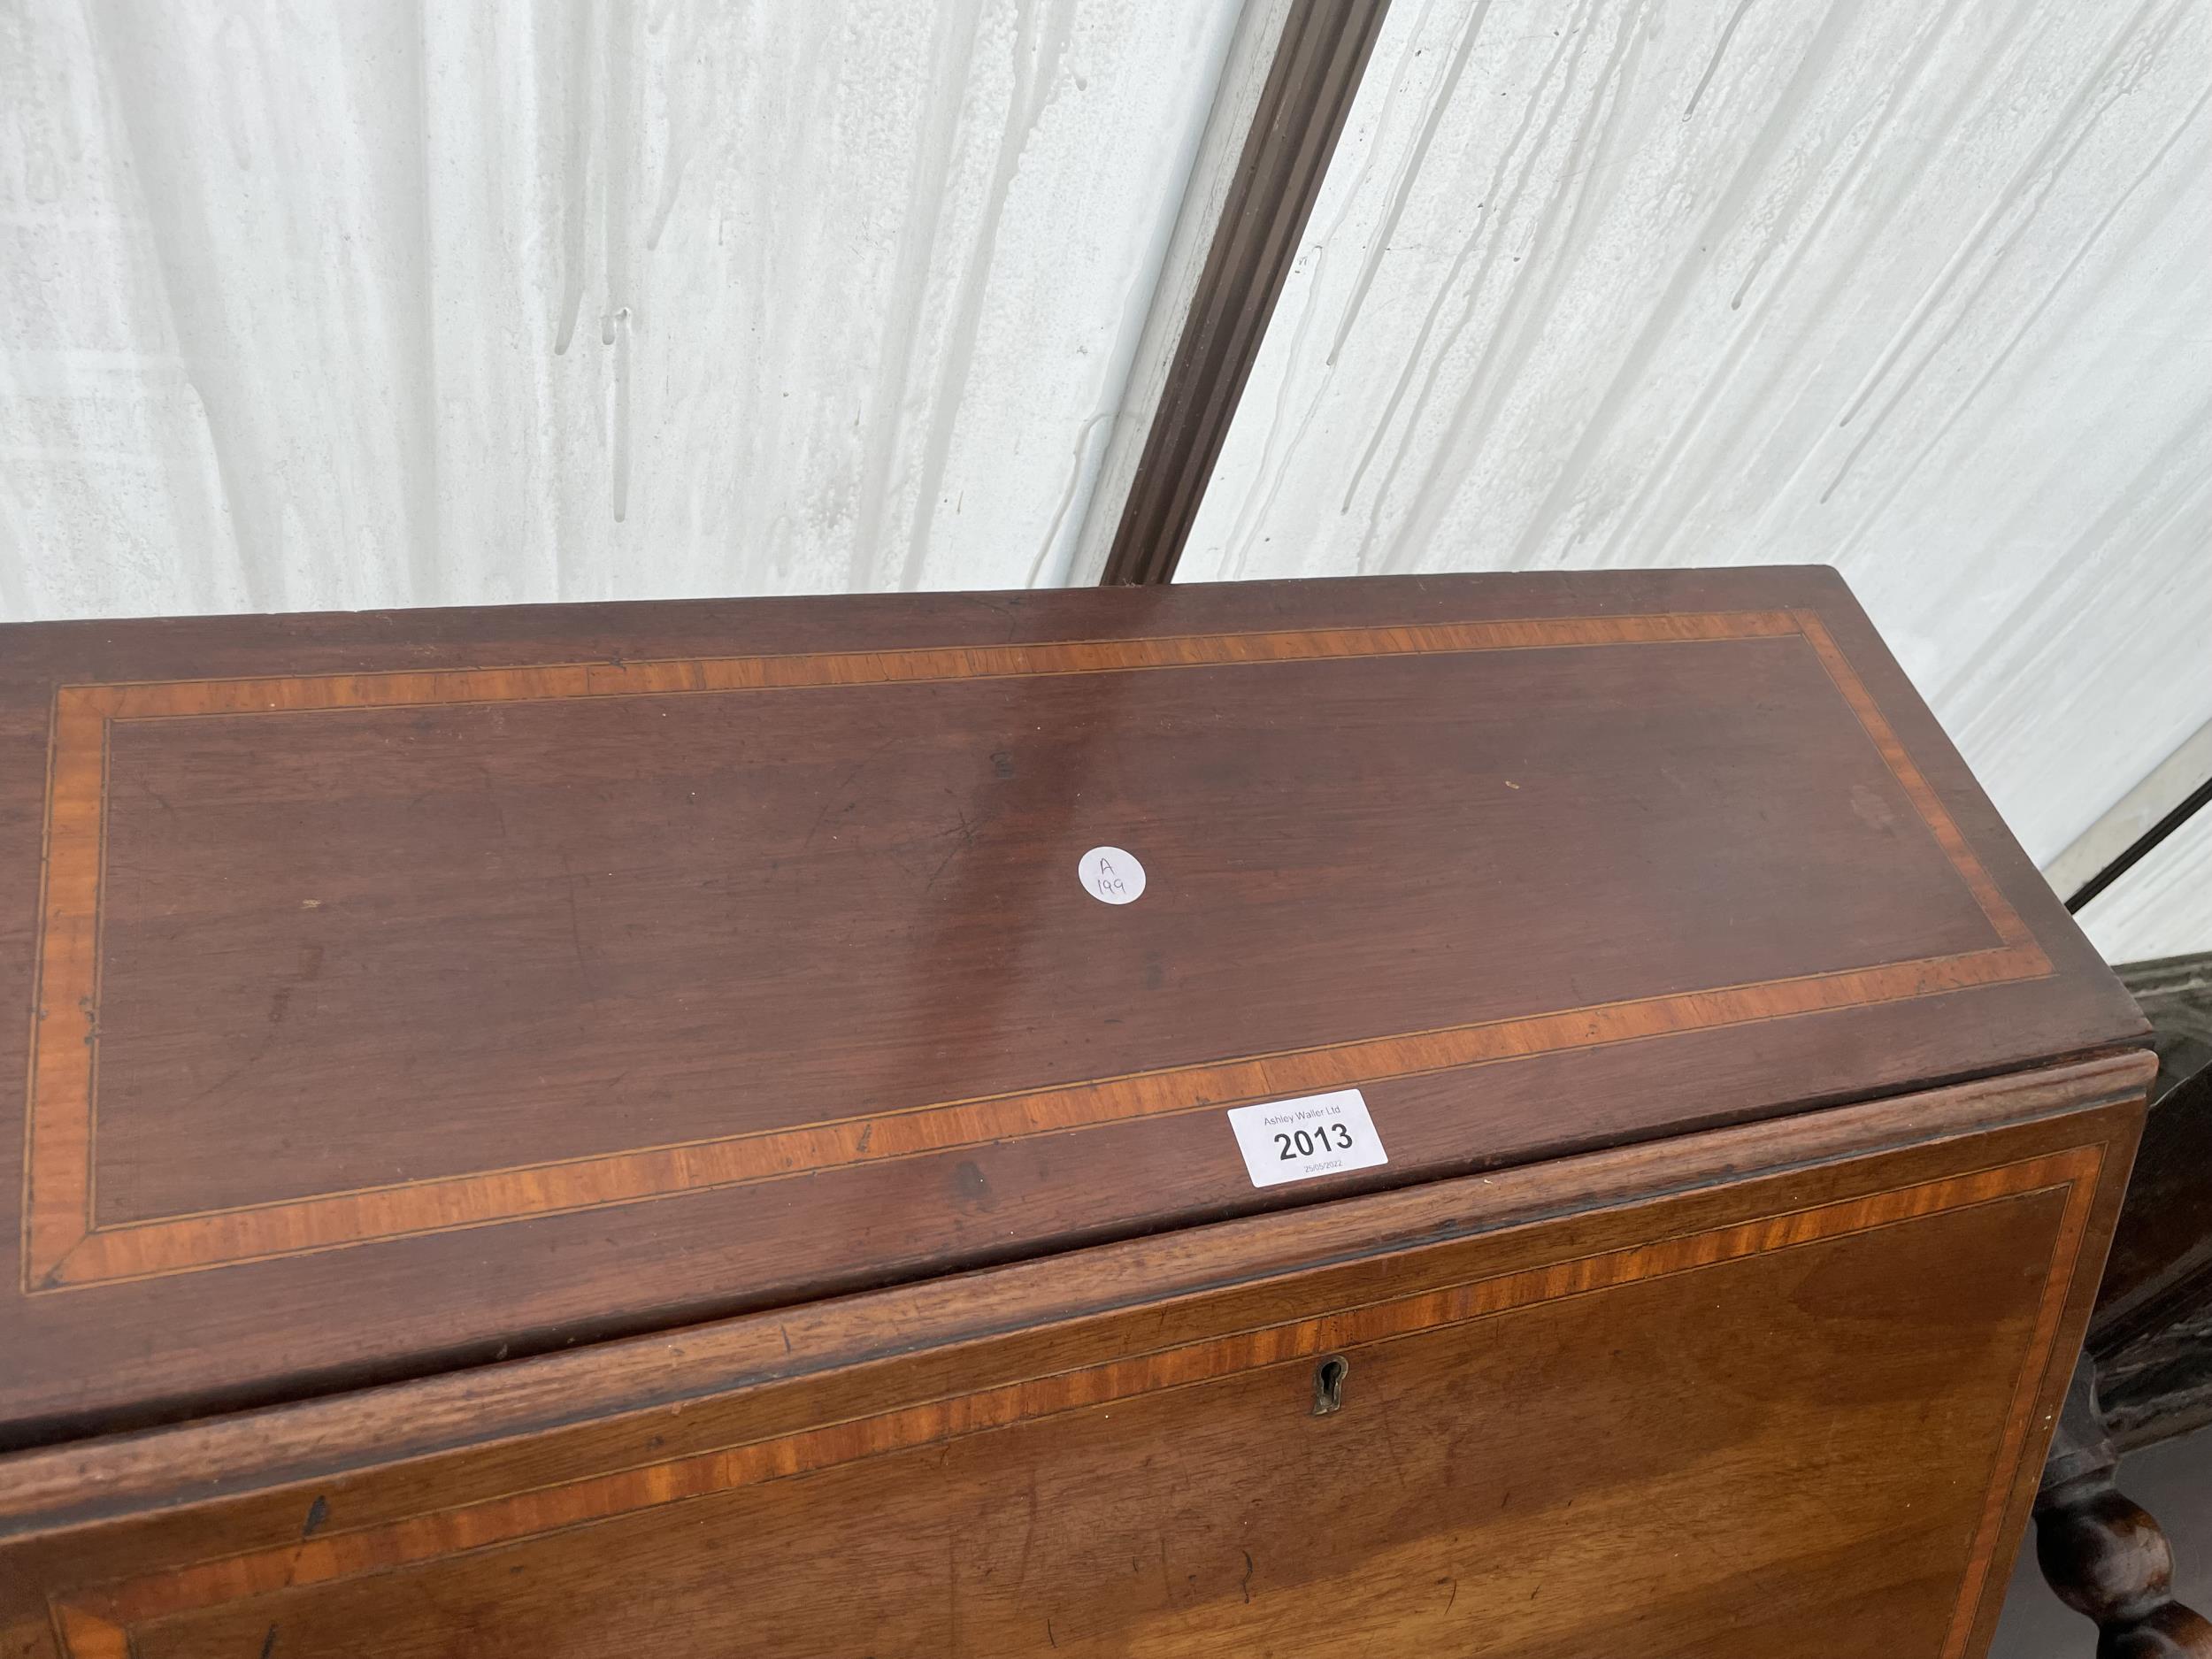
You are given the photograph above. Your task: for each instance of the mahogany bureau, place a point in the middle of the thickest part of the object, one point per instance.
(1528, 1117)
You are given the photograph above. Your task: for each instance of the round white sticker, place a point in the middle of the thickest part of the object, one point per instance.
(1111, 875)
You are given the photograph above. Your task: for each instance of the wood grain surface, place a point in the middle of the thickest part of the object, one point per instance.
(1787, 1395)
(437, 987)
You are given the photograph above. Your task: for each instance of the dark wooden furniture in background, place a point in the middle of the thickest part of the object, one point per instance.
(2103, 1554)
(2146, 1375)
(2153, 1331)
(620, 1128)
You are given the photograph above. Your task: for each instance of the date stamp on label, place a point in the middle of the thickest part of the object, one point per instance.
(1315, 1134)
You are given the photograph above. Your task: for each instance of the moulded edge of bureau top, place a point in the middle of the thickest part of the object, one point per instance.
(221, 1458)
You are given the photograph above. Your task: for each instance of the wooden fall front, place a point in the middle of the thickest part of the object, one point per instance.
(538, 1120)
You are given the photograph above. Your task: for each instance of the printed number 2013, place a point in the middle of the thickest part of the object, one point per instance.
(1305, 1143)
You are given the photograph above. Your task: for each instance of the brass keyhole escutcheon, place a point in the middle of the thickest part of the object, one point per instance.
(1328, 1384)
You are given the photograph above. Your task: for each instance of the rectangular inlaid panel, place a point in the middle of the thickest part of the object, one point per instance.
(331, 960)
(401, 993)
(1712, 1444)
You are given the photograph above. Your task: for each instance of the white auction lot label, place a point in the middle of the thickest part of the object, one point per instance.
(1112, 876)
(1315, 1134)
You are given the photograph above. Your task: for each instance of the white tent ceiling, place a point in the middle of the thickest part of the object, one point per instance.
(1921, 291)
(318, 306)
(321, 306)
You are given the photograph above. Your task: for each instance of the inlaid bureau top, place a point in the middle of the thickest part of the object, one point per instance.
(398, 991)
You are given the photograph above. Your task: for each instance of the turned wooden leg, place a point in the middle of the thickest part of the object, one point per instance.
(2103, 1554)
